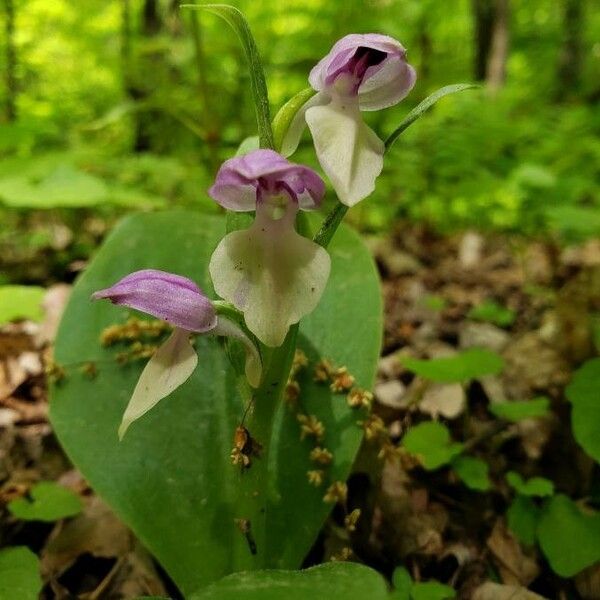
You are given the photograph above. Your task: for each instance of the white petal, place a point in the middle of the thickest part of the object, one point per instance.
(170, 367)
(348, 150)
(292, 137)
(226, 327)
(272, 274)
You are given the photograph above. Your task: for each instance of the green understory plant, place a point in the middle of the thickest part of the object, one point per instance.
(267, 385)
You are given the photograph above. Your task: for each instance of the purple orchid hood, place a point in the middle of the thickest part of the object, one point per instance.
(171, 298)
(268, 271)
(362, 72)
(245, 180)
(374, 67)
(181, 303)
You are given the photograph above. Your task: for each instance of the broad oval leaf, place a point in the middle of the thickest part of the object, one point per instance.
(19, 574)
(569, 538)
(171, 479)
(584, 394)
(349, 581)
(49, 502)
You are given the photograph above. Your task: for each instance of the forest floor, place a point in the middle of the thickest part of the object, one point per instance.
(427, 520)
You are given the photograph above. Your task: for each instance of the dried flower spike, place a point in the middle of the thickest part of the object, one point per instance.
(321, 455)
(374, 427)
(310, 427)
(336, 492)
(359, 398)
(341, 381)
(315, 477)
(323, 370)
(343, 555)
(351, 520)
(291, 392)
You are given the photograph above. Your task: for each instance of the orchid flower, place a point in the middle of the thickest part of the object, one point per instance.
(268, 271)
(181, 303)
(361, 72)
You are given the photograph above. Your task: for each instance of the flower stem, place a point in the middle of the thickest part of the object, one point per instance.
(330, 225)
(251, 508)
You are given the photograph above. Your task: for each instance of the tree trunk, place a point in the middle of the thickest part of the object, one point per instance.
(11, 62)
(496, 71)
(483, 16)
(570, 56)
(141, 89)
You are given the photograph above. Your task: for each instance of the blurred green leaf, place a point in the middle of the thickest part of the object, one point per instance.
(21, 302)
(473, 472)
(535, 486)
(431, 590)
(517, 410)
(19, 574)
(49, 502)
(492, 312)
(569, 537)
(584, 393)
(522, 518)
(402, 582)
(466, 365)
(431, 443)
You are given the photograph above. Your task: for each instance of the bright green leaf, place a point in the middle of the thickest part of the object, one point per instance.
(21, 302)
(466, 365)
(431, 443)
(473, 472)
(402, 582)
(236, 20)
(522, 517)
(517, 410)
(493, 313)
(536, 486)
(431, 590)
(425, 105)
(584, 394)
(19, 574)
(49, 502)
(569, 537)
(349, 581)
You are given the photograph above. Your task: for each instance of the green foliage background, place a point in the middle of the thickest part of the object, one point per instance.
(134, 103)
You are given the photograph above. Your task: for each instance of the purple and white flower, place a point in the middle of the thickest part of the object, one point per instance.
(360, 73)
(268, 271)
(181, 303)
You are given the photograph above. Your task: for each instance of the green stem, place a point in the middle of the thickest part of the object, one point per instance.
(251, 553)
(330, 225)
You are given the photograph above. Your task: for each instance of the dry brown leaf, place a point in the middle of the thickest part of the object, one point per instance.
(496, 591)
(445, 399)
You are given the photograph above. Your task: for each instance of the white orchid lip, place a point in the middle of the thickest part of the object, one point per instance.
(268, 271)
(362, 72)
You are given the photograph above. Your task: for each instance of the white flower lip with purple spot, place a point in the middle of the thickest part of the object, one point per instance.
(268, 271)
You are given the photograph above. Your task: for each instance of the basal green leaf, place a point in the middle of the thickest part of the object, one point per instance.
(536, 486)
(21, 302)
(431, 443)
(48, 502)
(402, 582)
(517, 410)
(349, 581)
(171, 479)
(19, 574)
(584, 394)
(424, 106)
(236, 20)
(569, 537)
(473, 472)
(522, 518)
(469, 364)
